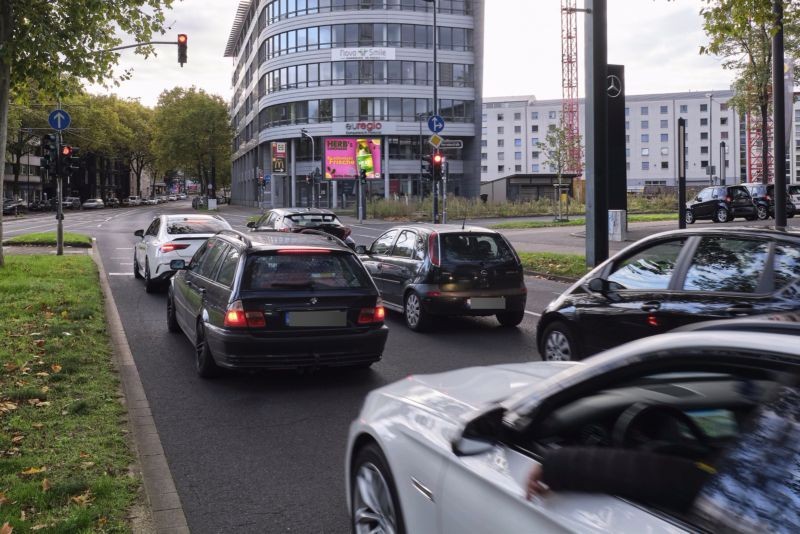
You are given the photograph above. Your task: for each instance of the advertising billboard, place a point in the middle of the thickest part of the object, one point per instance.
(345, 157)
(278, 158)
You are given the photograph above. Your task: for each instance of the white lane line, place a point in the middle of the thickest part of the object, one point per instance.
(533, 313)
(124, 248)
(123, 263)
(120, 274)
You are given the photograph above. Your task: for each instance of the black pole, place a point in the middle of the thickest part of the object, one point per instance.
(779, 119)
(435, 188)
(681, 173)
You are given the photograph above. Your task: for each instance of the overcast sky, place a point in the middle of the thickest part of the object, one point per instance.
(656, 40)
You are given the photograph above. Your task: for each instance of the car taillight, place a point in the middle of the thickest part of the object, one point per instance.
(433, 248)
(372, 315)
(727, 199)
(768, 198)
(285, 229)
(303, 251)
(236, 317)
(169, 247)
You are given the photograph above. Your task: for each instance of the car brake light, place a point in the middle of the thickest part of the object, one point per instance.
(768, 197)
(255, 319)
(285, 229)
(303, 251)
(727, 199)
(236, 317)
(169, 247)
(372, 315)
(433, 249)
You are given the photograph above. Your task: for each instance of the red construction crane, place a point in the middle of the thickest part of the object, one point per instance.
(570, 109)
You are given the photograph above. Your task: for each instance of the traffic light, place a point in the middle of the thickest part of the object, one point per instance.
(74, 159)
(49, 153)
(65, 159)
(182, 41)
(363, 176)
(438, 165)
(426, 169)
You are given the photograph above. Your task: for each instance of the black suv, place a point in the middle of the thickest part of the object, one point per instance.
(764, 197)
(300, 220)
(276, 301)
(426, 270)
(721, 203)
(669, 280)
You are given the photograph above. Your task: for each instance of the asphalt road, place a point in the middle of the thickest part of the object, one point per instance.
(264, 452)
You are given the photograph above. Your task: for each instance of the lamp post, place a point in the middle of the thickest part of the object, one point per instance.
(710, 140)
(314, 198)
(435, 184)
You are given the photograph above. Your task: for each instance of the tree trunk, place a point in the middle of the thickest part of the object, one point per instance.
(764, 143)
(6, 15)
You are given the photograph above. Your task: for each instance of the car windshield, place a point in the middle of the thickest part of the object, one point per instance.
(191, 225)
(313, 219)
(320, 271)
(475, 247)
(794, 189)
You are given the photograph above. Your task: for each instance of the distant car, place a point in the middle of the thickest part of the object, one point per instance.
(199, 201)
(93, 203)
(112, 202)
(669, 280)
(71, 203)
(298, 220)
(276, 301)
(14, 206)
(764, 196)
(172, 198)
(182, 196)
(42, 205)
(150, 201)
(452, 452)
(167, 238)
(793, 192)
(427, 270)
(721, 204)
(134, 200)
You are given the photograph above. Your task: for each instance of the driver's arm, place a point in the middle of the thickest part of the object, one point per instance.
(648, 477)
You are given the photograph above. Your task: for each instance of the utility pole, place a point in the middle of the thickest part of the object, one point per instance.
(779, 118)
(434, 183)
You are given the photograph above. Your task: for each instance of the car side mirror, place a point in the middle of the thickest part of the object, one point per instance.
(598, 285)
(480, 434)
(251, 224)
(361, 249)
(177, 265)
(139, 233)
(697, 199)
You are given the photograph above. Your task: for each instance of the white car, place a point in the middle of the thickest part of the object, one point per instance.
(452, 452)
(794, 195)
(150, 202)
(171, 237)
(93, 203)
(134, 200)
(172, 198)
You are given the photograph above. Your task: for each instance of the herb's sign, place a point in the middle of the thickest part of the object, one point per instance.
(362, 54)
(279, 158)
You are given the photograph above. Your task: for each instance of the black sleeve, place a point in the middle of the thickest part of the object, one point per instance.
(646, 477)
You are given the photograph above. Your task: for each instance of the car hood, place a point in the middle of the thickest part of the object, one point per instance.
(460, 393)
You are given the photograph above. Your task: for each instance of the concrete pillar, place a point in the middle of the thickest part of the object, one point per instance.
(293, 175)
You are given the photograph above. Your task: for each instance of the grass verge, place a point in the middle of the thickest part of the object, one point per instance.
(64, 458)
(554, 264)
(49, 238)
(580, 221)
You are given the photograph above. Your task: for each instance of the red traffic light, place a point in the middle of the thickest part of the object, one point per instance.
(182, 38)
(183, 41)
(66, 151)
(437, 158)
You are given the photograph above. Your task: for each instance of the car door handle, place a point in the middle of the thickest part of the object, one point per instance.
(740, 309)
(651, 306)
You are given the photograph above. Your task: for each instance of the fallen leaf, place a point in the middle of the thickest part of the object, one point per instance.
(39, 342)
(83, 499)
(42, 404)
(34, 471)
(38, 527)
(67, 334)
(55, 368)
(38, 425)
(17, 439)
(42, 374)
(6, 407)
(33, 402)
(87, 465)
(84, 454)
(3, 498)
(46, 484)
(10, 367)
(6, 529)
(45, 389)
(64, 313)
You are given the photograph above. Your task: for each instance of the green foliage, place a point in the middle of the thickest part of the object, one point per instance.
(560, 149)
(49, 239)
(554, 264)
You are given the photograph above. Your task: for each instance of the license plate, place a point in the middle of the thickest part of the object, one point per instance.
(316, 318)
(487, 303)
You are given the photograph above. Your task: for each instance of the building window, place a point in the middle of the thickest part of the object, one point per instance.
(534, 115)
(517, 155)
(645, 165)
(664, 151)
(727, 163)
(627, 111)
(535, 128)
(664, 123)
(704, 164)
(645, 152)
(723, 121)
(499, 116)
(723, 135)
(627, 152)
(723, 106)
(684, 108)
(483, 117)
(517, 142)
(644, 110)
(645, 138)
(703, 135)
(501, 168)
(645, 125)
(704, 150)
(484, 168)
(484, 142)
(551, 114)
(484, 131)
(500, 142)
(517, 129)
(703, 122)
(517, 168)
(534, 155)
(517, 116)
(501, 156)
(627, 165)
(535, 167)
(665, 165)
(664, 138)
(484, 155)
(664, 110)
(535, 141)
(500, 129)
(627, 138)
(627, 125)
(703, 108)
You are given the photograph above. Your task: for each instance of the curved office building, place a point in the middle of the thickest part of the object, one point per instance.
(335, 87)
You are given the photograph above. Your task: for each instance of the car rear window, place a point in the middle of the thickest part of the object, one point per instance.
(190, 225)
(323, 271)
(475, 247)
(313, 219)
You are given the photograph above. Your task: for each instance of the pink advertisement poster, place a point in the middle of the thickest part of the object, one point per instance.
(346, 156)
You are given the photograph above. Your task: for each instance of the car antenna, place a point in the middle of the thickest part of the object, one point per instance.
(464, 223)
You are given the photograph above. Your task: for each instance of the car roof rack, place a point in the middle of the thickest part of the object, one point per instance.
(238, 235)
(330, 237)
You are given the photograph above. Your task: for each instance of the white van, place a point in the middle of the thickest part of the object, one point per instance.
(134, 200)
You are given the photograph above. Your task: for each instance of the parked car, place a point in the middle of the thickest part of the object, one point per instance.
(93, 203)
(172, 198)
(721, 203)
(182, 196)
(71, 203)
(764, 197)
(199, 201)
(671, 279)
(302, 219)
(427, 270)
(112, 202)
(150, 201)
(453, 451)
(793, 192)
(167, 238)
(276, 301)
(14, 206)
(134, 200)
(42, 205)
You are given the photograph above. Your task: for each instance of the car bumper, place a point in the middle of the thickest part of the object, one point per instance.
(236, 350)
(467, 303)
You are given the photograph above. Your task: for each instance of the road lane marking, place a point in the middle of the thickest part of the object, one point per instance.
(533, 313)
(120, 274)
(124, 248)
(123, 263)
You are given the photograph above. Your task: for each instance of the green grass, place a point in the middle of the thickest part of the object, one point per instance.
(64, 457)
(550, 263)
(580, 221)
(49, 238)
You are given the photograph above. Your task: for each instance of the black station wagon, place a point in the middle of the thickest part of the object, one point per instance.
(276, 301)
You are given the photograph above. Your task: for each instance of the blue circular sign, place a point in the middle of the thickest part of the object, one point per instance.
(59, 119)
(435, 123)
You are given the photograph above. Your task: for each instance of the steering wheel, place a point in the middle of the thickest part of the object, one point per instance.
(660, 428)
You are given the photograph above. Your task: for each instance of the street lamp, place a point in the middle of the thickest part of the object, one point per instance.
(711, 139)
(435, 185)
(314, 199)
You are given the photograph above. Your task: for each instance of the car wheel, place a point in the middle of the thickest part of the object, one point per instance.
(375, 504)
(204, 362)
(558, 344)
(136, 273)
(150, 285)
(172, 321)
(416, 317)
(762, 213)
(721, 215)
(689, 217)
(510, 319)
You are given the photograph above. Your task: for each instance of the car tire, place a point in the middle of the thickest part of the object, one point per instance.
(205, 365)
(558, 344)
(136, 273)
(510, 319)
(762, 213)
(721, 215)
(172, 321)
(150, 285)
(689, 217)
(370, 477)
(417, 319)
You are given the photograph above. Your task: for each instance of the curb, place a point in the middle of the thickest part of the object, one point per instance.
(557, 278)
(164, 502)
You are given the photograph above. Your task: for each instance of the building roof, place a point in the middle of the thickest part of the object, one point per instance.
(236, 29)
(532, 100)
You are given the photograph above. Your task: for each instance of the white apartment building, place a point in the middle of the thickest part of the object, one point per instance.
(513, 127)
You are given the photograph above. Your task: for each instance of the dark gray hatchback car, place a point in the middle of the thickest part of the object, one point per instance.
(276, 301)
(427, 270)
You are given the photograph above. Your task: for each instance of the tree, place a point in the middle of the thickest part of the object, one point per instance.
(138, 121)
(46, 46)
(25, 125)
(560, 149)
(741, 31)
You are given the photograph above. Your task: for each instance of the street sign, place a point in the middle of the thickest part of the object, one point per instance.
(451, 143)
(435, 123)
(436, 140)
(59, 119)
(267, 179)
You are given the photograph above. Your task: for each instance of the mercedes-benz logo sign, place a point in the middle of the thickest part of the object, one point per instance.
(484, 273)
(313, 300)
(614, 86)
